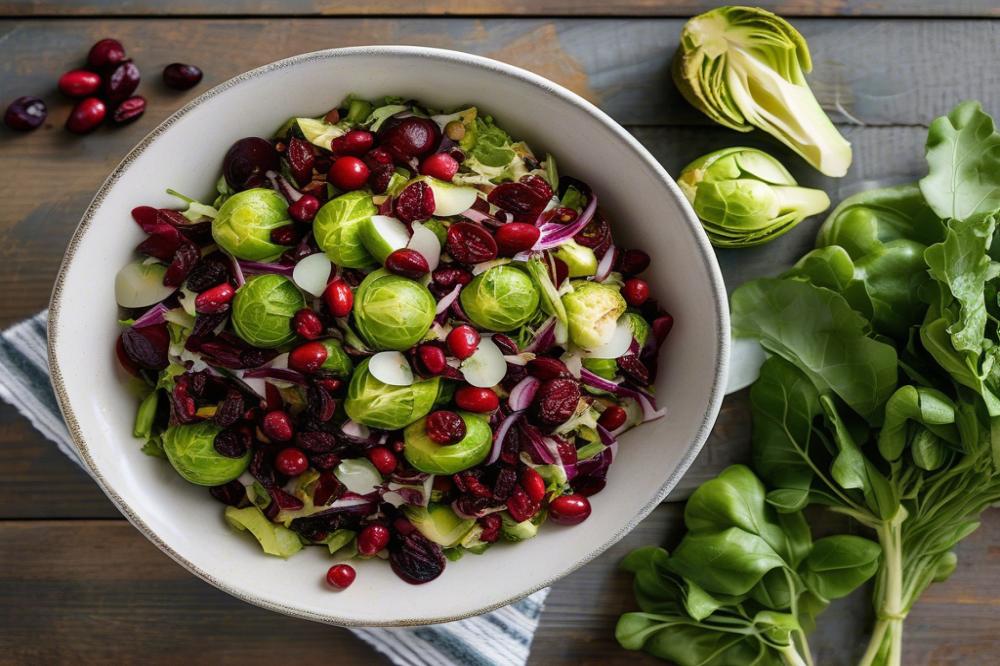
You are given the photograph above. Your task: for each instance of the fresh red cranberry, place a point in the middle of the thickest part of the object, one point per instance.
(331, 384)
(180, 76)
(215, 299)
(533, 484)
(285, 235)
(348, 173)
(633, 262)
(291, 461)
(79, 83)
(277, 425)
(307, 358)
(372, 538)
(462, 341)
(556, 401)
(475, 399)
(431, 359)
(25, 113)
(439, 165)
(304, 210)
(516, 237)
(635, 292)
(445, 427)
(129, 110)
(308, 324)
(121, 82)
(339, 298)
(569, 509)
(408, 263)
(357, 142)
(86, 116)
(662, 326)
(105, 52)
(383, 459)
(247, 161)
(612, 418)
(405, 138)
(341, 576)
(545, 368)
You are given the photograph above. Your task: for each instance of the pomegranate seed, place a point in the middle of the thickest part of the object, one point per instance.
(215, 299)
(439, 165)
(179, 76)
(462, 341)
(612, 418)
(569, 509)
(308, 324)
(286, 235)
(356, 142)
(445, 427)
(105, 52)
(304, 210)
(383, 459)
(516, 237)
(635, 292)
(25, 113)
(431, 359)
(338, 298)
(277, 425)
(341, 576)
(129, 110)
(307, 358)
(121, 82)
(546, 368)
(408, 263)
(291, 461)
(86, 116)
(79, 83)
(372, 539)
(348, 173)
(633, 262)
(661, 327)
(475, 399)
(533, 484)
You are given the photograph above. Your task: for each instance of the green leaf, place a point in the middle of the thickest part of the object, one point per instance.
(839, 564)
(727, 562)
(639, 559)
(688, 644)
(963, 154)
(864, 222)
(786, 500)
(922, 405)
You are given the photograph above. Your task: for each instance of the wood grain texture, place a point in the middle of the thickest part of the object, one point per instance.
(923, 8)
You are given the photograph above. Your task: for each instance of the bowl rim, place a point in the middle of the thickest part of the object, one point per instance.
(706, 254)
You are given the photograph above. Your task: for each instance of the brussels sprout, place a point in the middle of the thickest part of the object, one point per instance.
(274, 539)
(743, 67)
(191, 451)
(512, 531)
(337, 362)
(640, 327)
(245, 221)
(337, 229)
(745, 197)
(592, 311)
(602, 367)
(439, 523)
(379, 405)
(500, 299)
(263, 309)
(581, 261)
(392, 312)
(428, 456)
(439, 229)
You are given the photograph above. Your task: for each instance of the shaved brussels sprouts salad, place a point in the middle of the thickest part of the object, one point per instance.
(394, 332)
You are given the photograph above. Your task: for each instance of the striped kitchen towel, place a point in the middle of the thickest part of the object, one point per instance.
(501, 638)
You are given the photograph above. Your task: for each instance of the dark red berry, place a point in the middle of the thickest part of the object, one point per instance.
(462, 341)
(415, 202)
(383, 459)
(524, 203)
(86, 116)
(215, 299)
(470, 243)
(291, 461)
(448, 276)
(520, 506)
(431, 359)
(569, 509)
(79, 83)
(180, 76)
(445, 427)
(633, 262)
(25, 113)
(408, 263)
(348, 173)
(439, 165)
(104, 53)
(286, 235)
(356, 142)
(307, 324)
(372, 539)
(661, 327)
(405, 138)
(341, 576)
(129, 110)
(304, 210)
(339, 298)
(475, 399)
(556, 401)
(635, 292)
(247, 162)
(277, 425)
(307, 358)
(545, 368)
(121, 82)
(539, 185)
(533, 484)
(516, 237)
(612, 418)
(377, 157)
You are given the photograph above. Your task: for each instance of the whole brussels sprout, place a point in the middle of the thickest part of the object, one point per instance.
(263, 309)
(500, 299)
(380, 405)
(337, 229)
(640, 327)
(392, 312)
(191, 451)
(592, 311)
(244, 224)
(428, 456)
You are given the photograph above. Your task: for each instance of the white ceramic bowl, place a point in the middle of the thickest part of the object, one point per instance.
(185, 153)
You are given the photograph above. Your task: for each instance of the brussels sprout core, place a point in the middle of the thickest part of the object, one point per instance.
(263, 309)
(245, 221)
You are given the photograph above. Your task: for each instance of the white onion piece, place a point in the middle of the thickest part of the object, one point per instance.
(451, 199)
(606, 263)
(280, 362)
(486, 367)
(312, 273)
(426, 243)
(745, 358)
(392, 368)
(619, 343)
(355, 430)
(139, 284)
(484, 266)
(574, 363)
(447, 299)
(256, 384)
(523, 393)
(358, 475)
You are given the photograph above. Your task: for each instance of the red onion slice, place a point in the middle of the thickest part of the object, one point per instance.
(447, 299)
(523, 393)
(501, 435)
(606, 263)
(554, 235)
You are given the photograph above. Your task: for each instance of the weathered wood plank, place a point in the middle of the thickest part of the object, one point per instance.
(923, 8)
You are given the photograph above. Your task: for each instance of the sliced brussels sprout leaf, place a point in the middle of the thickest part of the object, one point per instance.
(428, 456)
(426, 242)
(337, 229)
(357, 110)
(640, 327)
(263, 309)
(380, 405)
(337, 362)
(312, 273)
(466, 116)
(500, 299)
(486, 367)
(382, 235)
(187, 301)
(319, 132)
(392, 368)
(392, 312)
(191, 451)
(450, 199)
(358, 475)
(439, 523)
(274, 539)
(581, 261)
(140, 284)
(512, 530)
(592, 311)
(378, 116)
(617, 345)
(245, 221)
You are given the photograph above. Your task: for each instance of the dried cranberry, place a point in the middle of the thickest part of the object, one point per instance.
(301, 159)
(231, 443)
(179, 76)
(431, 360)
(408, 263)
(475, 399)
(377, 157)
(348, 173)
(284, 500)
(518, 199)
(291, 461)
(462, 341)
(380, 178)
(339, 298)
(533, 484)
(588, 485)
(415, 202)
(538, 184)
(612, 418)
(25, 113)
(569, 509)
(129, 110)
(661, 328)
(635, 292)
(341, 576)
(633, 368)
(545, 368)
(79, 83)
(505, 343)
(184, 261)
(285, 235)
(328, 489)
(556, 401)
(320, 403)
(445, 427)
(324, 461)
(147, 346)
(247, 162)
(86, 116)
(448, 276)
(105, 52)
(491, 525)
(121, 82)
(503, 487)
(439, 165)
(231, 494)
(516, 237)
(596, 235)
(632, 262)
(470, 243)
(405, 138)
(316, 441)
(414, 558)
(372, 539)
(520, 506)
(383, 459)
(206, 274)
(261, 468)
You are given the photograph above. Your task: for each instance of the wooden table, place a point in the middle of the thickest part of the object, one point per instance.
(78, 584)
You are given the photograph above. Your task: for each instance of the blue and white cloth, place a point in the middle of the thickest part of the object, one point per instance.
(500, 638)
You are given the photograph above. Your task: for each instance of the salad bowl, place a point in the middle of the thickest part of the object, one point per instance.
(183, 153)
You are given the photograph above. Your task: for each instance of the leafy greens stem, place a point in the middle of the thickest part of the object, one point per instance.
(791, 656)
(886, 644)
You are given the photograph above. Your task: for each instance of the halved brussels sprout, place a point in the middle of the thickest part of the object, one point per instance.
(513, 531)
(392, 312)
(380, 405)
(500, 299)
(580, 260)
(263, 309)
(428, 456)
(439, 523)
(592, 311)
(274, 539)
(245, 221)
(337, 229)
(640, 327)
(191, 451)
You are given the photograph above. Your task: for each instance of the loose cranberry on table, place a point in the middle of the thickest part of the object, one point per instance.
(105, 52)
(341, 576)
(408, 263)
(79, 83)
(462, 341)
(339, 298)
(305, 209)
(277, 425)
(348, 173)
(180, 76)
(383, 459)
(372, 539)
(291, 461)
(569, 509)
(475, 399)
(86, 116)
(121, 82)
(25, 113)
(439, 165)
(129, 110)
(635, 292)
